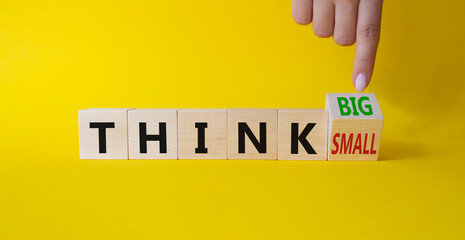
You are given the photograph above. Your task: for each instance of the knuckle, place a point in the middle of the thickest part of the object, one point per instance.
(364, 60)
(369, 31)
(302, 20)
(322, 33)
(346, 2)
(344, 41)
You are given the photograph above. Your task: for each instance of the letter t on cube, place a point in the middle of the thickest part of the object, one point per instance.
(103, 133)
(355, 126)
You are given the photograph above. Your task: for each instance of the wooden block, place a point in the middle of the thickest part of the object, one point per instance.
(153, 133)
(103, 133)
(252, 134)
(355, 126)
(302, 134)
(203, 134)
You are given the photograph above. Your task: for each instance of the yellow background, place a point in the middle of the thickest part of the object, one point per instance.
(60, 56)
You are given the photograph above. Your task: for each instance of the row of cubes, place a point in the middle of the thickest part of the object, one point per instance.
(283, 134)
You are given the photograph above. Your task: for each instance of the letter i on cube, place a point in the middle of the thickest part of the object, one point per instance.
(355, 126)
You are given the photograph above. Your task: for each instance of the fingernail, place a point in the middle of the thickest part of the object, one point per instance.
(361, 82)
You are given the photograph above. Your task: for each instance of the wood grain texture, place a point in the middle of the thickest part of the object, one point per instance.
(116, 138)
(355, 129)
(317, 137)
(152, 119)
(252, 118)
(215, 133)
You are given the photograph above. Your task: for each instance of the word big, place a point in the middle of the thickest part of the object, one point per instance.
(349, 129)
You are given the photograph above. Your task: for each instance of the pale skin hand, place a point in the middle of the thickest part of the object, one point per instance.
(347, 21)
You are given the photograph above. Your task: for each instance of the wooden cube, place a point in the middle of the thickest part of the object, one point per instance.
(355, 126)
(252, 134)
(203, 134)
(153, 133)
(302, 134)
(103, 133)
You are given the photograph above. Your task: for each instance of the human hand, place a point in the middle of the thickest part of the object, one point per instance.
(347, 21)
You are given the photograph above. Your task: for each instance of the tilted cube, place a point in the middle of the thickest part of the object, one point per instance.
(355, 126)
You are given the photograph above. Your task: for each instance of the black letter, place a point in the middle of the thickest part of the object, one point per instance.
(143, 137)
(260, 146)
(102, 136)
(295, 138)
(201, 137)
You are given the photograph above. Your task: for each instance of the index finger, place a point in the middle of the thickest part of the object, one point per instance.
(368, 34)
